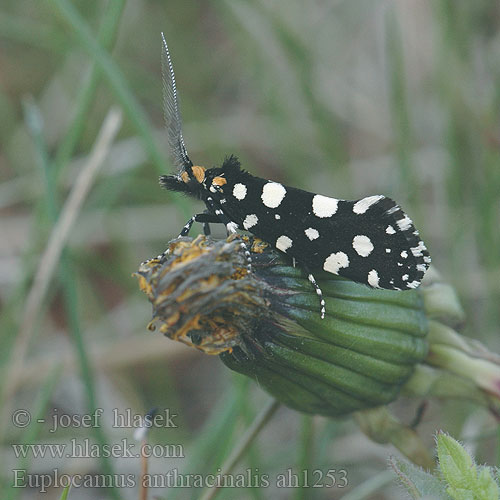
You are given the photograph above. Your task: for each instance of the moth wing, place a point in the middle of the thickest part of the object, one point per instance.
(371, 241)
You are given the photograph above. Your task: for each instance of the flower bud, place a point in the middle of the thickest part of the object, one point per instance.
(266, 323)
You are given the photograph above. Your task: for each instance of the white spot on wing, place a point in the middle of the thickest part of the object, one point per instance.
(231, 227)
(421, 267)
(283, 243)
(336, 261)
(323, 206)
(405, 223)
(361, 206)
(363, 245)
(417, 251)
(373, 278)
(277, 216)
(273, 194)
(239, 191)
(404, 254)
(250, 221)
(413, 284)
(405, 277)
(312, 233)
(390, 230)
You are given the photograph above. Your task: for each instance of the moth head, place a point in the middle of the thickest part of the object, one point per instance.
(215, 180)
(190, 181)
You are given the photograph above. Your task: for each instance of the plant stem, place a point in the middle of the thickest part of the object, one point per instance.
(240, 448)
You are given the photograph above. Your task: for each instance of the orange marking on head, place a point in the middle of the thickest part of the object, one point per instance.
(219, 181)
(199, 173)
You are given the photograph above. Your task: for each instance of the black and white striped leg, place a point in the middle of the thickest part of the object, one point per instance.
(319, 293)
(205, 218)
(248, 256)
(231, 228)
(161, 257)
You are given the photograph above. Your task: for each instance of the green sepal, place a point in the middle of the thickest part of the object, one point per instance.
(364, 364)
(389, 345)
(368, 313)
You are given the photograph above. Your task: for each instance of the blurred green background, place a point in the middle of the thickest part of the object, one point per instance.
(345, 98)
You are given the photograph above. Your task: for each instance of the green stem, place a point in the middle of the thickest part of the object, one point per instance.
(40, 409)
(217, 433)
(305, 455)
(84, 100)
(70, 297)
(240, 449)
(86, 94)
(113, 75)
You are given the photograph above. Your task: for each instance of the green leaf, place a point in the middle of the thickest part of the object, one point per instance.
(461, 494)
(456, 464)
(487, 483)
(417, 482)
(465, 481)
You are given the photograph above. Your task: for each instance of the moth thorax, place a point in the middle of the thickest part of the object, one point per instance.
(198, 174)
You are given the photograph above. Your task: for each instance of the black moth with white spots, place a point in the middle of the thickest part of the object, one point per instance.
(371, 241)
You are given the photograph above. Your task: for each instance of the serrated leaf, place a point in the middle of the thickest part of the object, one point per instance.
(461, 494)
(417, 482)
(456, 464)
(487, 483)
(465, 480)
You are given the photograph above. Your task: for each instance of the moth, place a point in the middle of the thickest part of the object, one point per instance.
(370, 241)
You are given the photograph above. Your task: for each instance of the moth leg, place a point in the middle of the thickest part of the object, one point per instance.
(205, 218)
(248, 256)
(231, 228)
(319, 292)
(206, 226)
